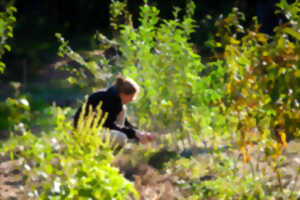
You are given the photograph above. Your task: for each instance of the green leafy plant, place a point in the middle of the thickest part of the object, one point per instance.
(7, 21)
(246, 98)
(92, 72)
(175, 86)
(69, 163)
(261, 100)
(261, 81)
(13, 112)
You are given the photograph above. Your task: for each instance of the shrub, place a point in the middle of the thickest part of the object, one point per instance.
(69, 164)
(247, 94)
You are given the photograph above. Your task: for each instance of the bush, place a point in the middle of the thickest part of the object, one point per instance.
(14, 111)
(247, 97)
(69, 164)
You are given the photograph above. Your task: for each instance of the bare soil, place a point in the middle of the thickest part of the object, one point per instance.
(149, 182)
(11, 179)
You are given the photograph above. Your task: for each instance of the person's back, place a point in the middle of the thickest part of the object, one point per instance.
(110, 103)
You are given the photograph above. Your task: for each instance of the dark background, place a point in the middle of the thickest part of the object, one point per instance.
(34, 45)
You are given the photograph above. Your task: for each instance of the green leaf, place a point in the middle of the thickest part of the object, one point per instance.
(12, 9)
(92, 66)
(12, 18)
(2, 66)
(86, 192)
(292, 32)
(48, 169)
(298, 74)
(72, 80)
(7, 47)
(2, 25)
(10, 35)
(283, 4)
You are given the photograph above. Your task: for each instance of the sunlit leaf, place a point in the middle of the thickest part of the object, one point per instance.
(245, 155)
(48, 169)
(234, 41)
(262, 37)
(7, 47)
(292, 32)
(283, 139)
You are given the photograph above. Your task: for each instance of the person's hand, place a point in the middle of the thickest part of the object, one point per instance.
(141, 136)
(144, 137)
(149, 136)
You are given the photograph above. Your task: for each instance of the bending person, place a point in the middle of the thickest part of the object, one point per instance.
(114, 100)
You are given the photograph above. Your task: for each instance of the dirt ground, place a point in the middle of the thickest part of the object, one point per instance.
(150, 183)
(11, 179)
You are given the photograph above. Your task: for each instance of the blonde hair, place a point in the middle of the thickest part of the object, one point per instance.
(126, 85)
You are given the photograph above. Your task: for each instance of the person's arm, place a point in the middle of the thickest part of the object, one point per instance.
(142, 136)
(128, 124)
(132, 133)
(129, 131)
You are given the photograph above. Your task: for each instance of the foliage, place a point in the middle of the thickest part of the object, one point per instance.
(261, 80)
(70, 164)
(7, 21)
(13, 112)
(175, 86)
(262, 94)
(230, 185)
(24, 110)
(92, 72)
(248, 96)
(224, 175)
(158, 49)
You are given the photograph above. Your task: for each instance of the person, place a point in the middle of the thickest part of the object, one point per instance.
(113, 101)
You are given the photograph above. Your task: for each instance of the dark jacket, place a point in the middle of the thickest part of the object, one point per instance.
(111, 104)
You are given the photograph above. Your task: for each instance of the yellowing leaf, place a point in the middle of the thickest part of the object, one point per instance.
(218, 44)
(283, 139)
(262, 37)
(297, 73)
(281, 43)
(229, 88)
(234, 41)
(265, 53)
(245, 92)
(245, 155)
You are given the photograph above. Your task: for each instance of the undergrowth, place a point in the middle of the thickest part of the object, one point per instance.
(69, 163)
(222, 128)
